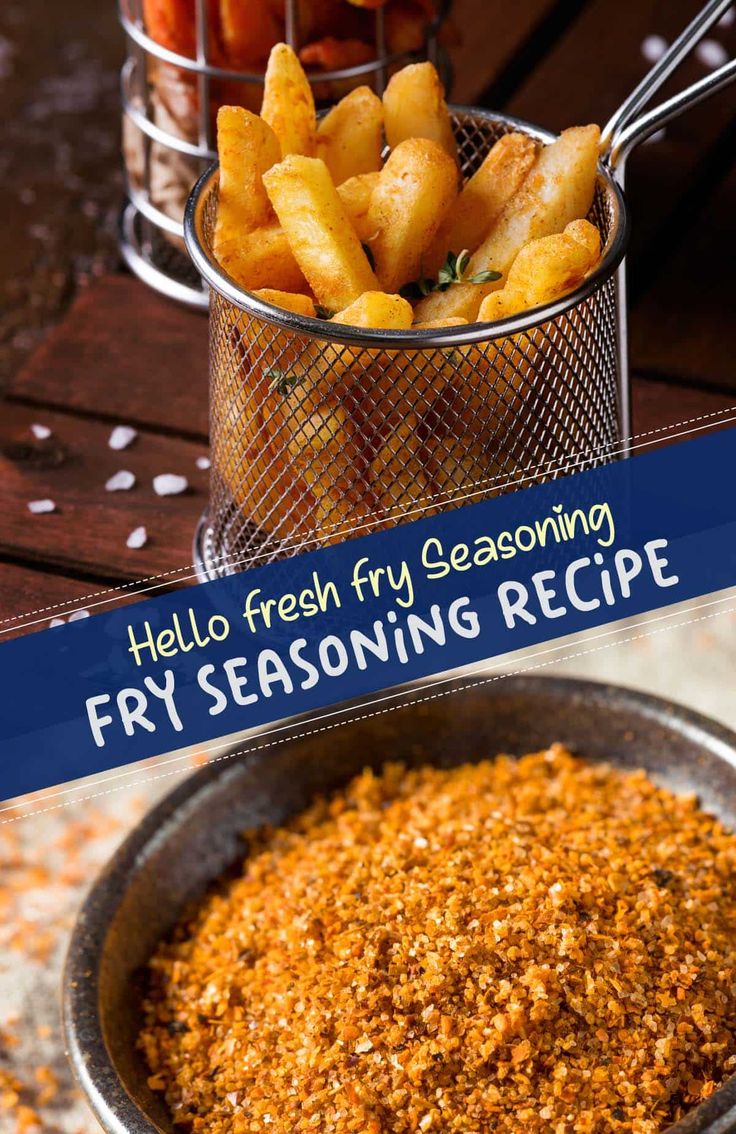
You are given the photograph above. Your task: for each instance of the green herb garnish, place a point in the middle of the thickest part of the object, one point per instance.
(452, 272)
(281, 381)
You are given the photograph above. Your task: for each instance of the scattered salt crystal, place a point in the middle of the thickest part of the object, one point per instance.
(76, 615)
(38, 507)
(363, 1045)
(56, 622)
(137, 538)
(711, 53)
(727, 18)
(120, 481)
(169, 484)
(40, 432)
(421, 842)
(122, 436)
(653, 47)
(657, 136)
(202, 462)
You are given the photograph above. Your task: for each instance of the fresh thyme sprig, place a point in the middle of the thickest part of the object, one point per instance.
(281, 381)
(452, 272)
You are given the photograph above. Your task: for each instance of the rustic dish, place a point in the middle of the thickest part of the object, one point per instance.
(193, 836)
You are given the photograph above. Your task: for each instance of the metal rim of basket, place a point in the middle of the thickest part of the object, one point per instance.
(212, 273)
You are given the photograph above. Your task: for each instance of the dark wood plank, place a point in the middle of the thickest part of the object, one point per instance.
(656, 406)
(89, 529)
(592, 68)
(491, 39)
(30, 598)
(126, 354)
(673, 331)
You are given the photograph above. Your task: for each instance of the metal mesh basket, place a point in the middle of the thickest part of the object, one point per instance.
(320, 432)
(169, 104)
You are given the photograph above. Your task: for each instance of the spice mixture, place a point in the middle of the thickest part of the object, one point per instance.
(517, 946)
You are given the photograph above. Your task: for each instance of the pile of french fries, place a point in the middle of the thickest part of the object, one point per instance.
(312, 209)
(335, 33)
(362, 219)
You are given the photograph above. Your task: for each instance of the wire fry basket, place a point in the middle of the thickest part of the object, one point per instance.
(169, 108)
(320, 431)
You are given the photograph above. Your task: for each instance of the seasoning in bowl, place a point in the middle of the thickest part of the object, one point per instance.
(536, 945)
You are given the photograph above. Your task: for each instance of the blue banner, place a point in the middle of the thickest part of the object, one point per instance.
(297, 635)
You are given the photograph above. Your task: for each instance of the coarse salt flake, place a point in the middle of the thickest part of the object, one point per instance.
(653, 48)
(169, 484)
(120, 481)
(122, 436)
(711, 53)
(40, 432)
(138, 538)
(203, 462)
(38, 507)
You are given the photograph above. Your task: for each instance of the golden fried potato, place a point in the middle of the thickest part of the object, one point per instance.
(247, 147)
(299, 304)
(288, 102)
(545, 270)
(377, 309)
(248, 32)
(414, 107)
(326, 450)
(460, 471)
(397, 473)
(558, 190)
(416, 187)
(355, 194)
(438, 324)
(262, 258)
(483, 198)
(350, 136)
(320, 234)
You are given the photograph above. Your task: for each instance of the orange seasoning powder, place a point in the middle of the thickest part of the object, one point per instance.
(533, 945)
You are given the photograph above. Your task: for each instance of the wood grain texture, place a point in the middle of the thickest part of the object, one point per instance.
(89, 529)
(126, 354)
(683, 327)
(30, 598)
(491, 36)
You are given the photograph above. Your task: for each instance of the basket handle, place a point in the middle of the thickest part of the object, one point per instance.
(628, 127)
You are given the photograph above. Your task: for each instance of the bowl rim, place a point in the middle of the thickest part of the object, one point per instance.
(208, 267)
(86, 1049)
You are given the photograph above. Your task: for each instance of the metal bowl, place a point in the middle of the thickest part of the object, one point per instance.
(194, 835)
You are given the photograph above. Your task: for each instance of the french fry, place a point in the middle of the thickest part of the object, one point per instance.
(559, 189)
(248, 32)
(355, 194)
(545, 270)
(289, 301)
(416, 187)
(377, 309)
(262, 258)
(414, 107)
(288, 102)
(398, 476)
(350, 137)
(483, 198)
(460, 471)
(326, 449)
(320, 234)
(247, 147)
(330, 54)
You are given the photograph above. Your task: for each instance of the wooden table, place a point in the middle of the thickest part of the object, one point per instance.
(121, 354)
